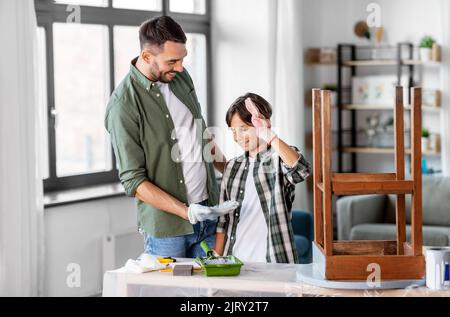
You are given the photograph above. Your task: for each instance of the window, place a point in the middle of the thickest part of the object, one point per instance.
(195, 62)
(81, 94)
(82, 59)
(96, 3)
(126, 47)
(188, 6)
(149, 5)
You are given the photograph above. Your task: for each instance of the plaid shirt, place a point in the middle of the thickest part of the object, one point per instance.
(275, 185)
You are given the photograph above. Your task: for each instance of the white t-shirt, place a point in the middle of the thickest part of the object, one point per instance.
(194, 170)
(251, 231)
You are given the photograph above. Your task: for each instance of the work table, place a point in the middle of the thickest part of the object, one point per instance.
(255, 280)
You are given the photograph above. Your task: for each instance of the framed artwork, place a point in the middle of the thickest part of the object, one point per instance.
(376, 90)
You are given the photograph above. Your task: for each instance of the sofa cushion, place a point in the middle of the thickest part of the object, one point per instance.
(302, 244)
(432, 236)
(435, 202)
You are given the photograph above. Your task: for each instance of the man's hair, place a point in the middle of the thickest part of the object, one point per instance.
(159, 30)
(238, 107)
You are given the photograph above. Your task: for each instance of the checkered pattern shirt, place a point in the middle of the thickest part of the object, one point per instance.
(275, 185)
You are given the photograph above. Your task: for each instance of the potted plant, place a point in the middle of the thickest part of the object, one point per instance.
(425, 46)
(425, 139)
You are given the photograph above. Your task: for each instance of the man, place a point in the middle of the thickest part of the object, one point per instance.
(156, 128)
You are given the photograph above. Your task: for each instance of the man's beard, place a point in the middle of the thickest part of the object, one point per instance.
(163, 80)
(159, 76)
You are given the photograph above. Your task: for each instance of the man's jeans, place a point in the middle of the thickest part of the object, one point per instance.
(187, 246)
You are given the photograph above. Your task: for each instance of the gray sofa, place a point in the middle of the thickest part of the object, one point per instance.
(372, 217)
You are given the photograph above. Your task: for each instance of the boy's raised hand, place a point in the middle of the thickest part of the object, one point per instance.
(263, 126)
(258, 120)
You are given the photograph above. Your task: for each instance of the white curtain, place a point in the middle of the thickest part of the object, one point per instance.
(21, 195)
(445, 88)
(287, 70)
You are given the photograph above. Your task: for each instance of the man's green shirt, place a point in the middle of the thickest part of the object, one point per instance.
(140, 126)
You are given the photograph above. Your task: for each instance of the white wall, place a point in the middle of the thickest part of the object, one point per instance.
(240, 56)
(74, 233)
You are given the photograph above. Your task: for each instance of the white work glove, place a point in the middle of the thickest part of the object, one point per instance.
(262, 125)
(197, 213)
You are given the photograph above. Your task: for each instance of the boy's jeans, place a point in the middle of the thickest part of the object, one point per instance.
(187, 246)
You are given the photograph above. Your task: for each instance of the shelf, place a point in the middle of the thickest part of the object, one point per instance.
(389, 62)
(375, 150)
(374, 62)
(385, 107)
(419, 62)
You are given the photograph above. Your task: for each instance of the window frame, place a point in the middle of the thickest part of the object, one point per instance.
(48, 12)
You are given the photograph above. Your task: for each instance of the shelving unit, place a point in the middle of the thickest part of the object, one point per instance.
(347, 60)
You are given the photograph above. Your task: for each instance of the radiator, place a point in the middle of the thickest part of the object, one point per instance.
(119, 247)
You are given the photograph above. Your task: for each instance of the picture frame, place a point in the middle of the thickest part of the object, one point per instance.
(376, 90)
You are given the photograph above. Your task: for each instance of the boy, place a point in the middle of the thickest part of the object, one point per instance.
(263, 181)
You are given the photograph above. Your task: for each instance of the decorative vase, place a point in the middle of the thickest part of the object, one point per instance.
(436, 53)
(425, 54)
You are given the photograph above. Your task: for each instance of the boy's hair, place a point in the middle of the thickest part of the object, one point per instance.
(159, 30)
(238, 107)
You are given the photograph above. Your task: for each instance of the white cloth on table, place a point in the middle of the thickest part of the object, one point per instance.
(144, 263)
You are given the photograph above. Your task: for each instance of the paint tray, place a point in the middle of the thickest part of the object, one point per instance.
(218, 265)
